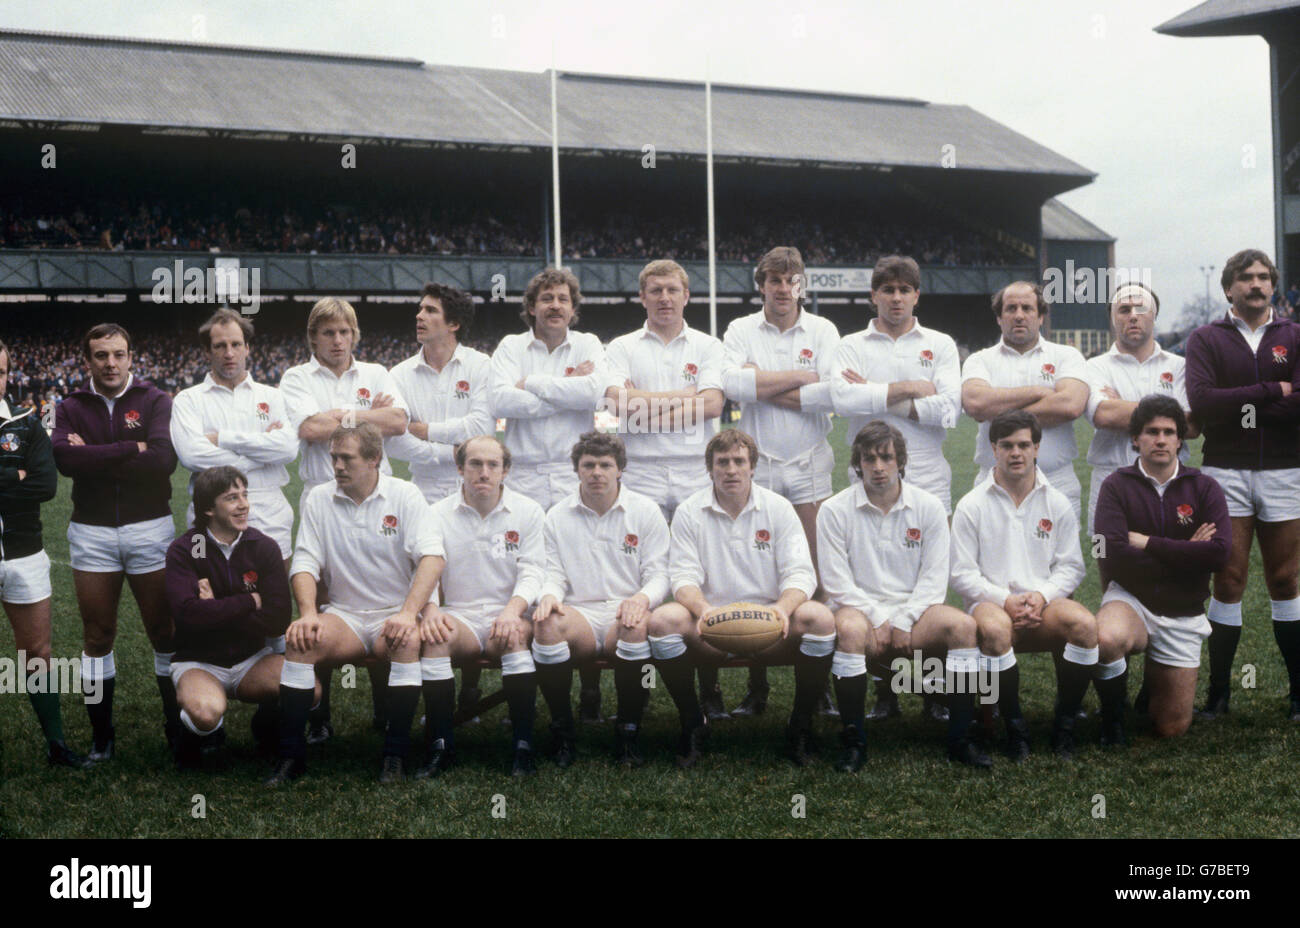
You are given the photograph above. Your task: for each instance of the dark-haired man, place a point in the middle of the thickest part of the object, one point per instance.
(445, 385)
(228, 593)
(1016, 560)
(1166, 529)
(112, 437)
(884, 564)
(598, 595)
(1243, 383)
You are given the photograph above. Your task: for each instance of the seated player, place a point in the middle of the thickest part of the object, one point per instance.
(28, 478)
(1166, 530)
(496, 559)
(369, 538)
(736, 541)
(1015, 561)
(606, 568)
(228, 593)
(884, 564)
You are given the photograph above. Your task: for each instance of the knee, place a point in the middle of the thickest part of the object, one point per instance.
(1281, 585)
(962, 632)
(813, 618)
(206, 712)
(665, 621)
(1081, 627)
(549, 630)
(994, 635)
(1171, 726)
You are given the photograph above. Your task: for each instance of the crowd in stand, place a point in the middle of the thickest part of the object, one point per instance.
(188, 226)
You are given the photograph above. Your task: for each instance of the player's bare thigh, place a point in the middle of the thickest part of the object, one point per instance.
(854, 634)
(942, 628)
(1279, 549)
(32, 625)
(337, 644)
(1064, 621)
(809, 618)
(676, 619)
(1230, 583)
(520, 638)
(202, 697)
(262, 682)
(97, 597)
(1120, 631)
(571, 626)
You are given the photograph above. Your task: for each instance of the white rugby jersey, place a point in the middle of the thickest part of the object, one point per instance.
(453, 403)
(754, 558)
(808, 345)
(1162, 374)
(492, 558)
(917, 354)
(892, 566)
(1043, 365)
(591, 558)
(691, 359)
(239, 416)
(312, 387)
(999, 549)
(366, 553)
(546, 418)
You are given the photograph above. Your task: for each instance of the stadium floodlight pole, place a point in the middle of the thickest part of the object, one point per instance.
(708, 162)
(555, 160)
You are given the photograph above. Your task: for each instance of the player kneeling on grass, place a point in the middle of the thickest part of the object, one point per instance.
(606, 568)
(884, 561)
(370, 539)
(735, 541)
(496, 560)
(228, 593)
(1015, 561)
(1166, 530)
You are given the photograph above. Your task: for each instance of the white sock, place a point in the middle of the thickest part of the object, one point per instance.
(1112, 670)
(406, 673)
(1285, 610)
(98, 668)
(844, 664)
(667, 647)
(551, 653)
(633, 650)
(1224, 613)
(436, 668)
(1077, 655)
(994, 663)
(162, 663)
(189, 723)
(817, 645)
(517, 662)
(961, 660)
(298, 676)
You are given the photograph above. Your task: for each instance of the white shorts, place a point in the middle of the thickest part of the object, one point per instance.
(803, 479)
(365, 625)
(25, 580)
(875, 618)
(228, 677)
(601, 616)
(268, 512)
(668, 483)
(1269, 495)
(435, 490)
(478, 619)
(1175, 642)
(545, 486)
(137, 548)
(1099, 475)
(1065, 480)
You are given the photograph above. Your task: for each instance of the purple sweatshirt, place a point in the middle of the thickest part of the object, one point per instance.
(113, 482)
(1171, 577)
(229, 627)
(1224, 375)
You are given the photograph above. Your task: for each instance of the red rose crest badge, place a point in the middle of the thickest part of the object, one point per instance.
(363, 396)
(250, 581)
(264, 411)
(805, 357)
(1185, 514)
(927, 357)
(690, 373)
(1279, 354)
(512, 541)
(1166, 380)
(630, 542)
(762, 539)
(1044, 528)
(1049, 372)
(389, 526)
(462, 389)
(132, 418)
(913, 538)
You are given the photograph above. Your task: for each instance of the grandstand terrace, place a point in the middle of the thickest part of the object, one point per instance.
(168, 152)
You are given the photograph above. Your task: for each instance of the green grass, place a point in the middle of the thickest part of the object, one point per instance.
(1231, 778)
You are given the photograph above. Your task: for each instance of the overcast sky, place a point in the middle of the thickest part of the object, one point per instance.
(1177, 130)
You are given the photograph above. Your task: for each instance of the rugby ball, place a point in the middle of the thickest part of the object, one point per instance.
(741, 628)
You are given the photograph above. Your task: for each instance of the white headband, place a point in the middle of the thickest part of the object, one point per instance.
(1130, 291)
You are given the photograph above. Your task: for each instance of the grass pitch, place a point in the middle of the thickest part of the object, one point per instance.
(1231, 778)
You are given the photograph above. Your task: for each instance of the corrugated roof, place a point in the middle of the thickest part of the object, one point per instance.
(63, 78)
(1064, 224)
(1227, 17)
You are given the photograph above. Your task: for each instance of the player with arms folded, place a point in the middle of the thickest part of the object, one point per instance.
(1166, 529)
(112, 437)
(884, 562)
(738, 542)
(606, 568)
(1243, 383)
(496, 562)
(228, 593)
(1016, 560)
